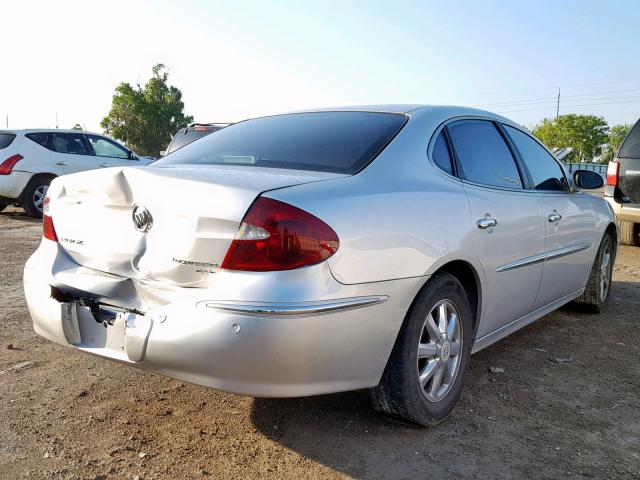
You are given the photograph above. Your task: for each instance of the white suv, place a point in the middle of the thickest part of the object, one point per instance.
(30, 159)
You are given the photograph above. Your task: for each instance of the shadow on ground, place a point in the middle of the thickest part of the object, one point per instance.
(541, 418)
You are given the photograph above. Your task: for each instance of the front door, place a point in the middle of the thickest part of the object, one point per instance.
(570, 244)
(109, 153)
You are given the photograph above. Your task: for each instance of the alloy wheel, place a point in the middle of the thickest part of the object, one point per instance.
(439, 350)
(605, 272)
(39, 195)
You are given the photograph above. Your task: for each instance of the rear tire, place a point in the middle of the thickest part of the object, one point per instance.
(630, 233)
(3, 205)
(598, 290)
(425, 348)
(34, 194)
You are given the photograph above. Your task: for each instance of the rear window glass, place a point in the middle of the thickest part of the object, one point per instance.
(631, 146)
(6, 139)
(340, 142)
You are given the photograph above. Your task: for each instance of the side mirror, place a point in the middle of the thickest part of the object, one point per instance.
(587, 179)
(132, 155)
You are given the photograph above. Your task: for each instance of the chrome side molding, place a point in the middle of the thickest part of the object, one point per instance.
(550, 255)
(296, 308)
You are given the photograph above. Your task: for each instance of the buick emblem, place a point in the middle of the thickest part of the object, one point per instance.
(142, 218)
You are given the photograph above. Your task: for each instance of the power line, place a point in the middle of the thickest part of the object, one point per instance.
(573, 105)
(568, 98)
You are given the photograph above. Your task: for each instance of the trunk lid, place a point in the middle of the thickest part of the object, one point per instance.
(187, 217)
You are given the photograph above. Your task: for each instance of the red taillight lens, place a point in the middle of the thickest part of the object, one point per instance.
(48, 230)
(9, 163)
(612, 173)
(278, 236)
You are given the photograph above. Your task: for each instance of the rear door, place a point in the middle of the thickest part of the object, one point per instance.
(507, 226)
(568, 218)
(72, 153)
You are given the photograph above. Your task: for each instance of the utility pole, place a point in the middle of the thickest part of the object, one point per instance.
(558, 105)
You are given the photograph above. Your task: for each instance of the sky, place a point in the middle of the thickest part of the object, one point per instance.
(240, 59)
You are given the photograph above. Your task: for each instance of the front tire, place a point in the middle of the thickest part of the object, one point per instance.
(598, 290)
(425, 374)
(34, 195)
(3, 205)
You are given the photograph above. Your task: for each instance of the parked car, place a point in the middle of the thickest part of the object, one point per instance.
(31, 159)
(192, 133)
(623, 187)
(323, 251)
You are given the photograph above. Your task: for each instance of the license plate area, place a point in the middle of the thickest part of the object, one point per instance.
(112, 333)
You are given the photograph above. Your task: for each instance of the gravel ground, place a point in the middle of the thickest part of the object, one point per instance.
(69, 415)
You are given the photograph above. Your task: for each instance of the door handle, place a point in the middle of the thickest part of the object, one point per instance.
(484, 223)
(554, 217)
(61, 163)
(103, 165)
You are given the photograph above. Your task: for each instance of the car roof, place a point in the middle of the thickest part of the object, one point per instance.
(411, 108)
(47, 130)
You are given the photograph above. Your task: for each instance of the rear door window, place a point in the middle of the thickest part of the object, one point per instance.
(483, 155)
(6, 139)
(339, 142)
(544, 169)
(71, 143)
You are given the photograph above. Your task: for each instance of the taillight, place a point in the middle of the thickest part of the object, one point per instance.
(9, 163)
(612, 173)
(278, 236)
(48, 230)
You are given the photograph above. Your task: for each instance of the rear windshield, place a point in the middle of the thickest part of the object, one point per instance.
(6, 139)
(631, 146)
(185, 137)
(340, 142)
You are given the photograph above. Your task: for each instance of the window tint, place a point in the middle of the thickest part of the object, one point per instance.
(103, 147)
(441, 155)
(341, 142)
(544, 169)
(483, 154)
(70, 143)
(6, 139)
(41, 138)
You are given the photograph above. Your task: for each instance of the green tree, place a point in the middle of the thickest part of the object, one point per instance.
(616, 136)
(146, 118)
(586, 134)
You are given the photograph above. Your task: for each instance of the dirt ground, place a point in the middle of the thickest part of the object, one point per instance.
(74, 416)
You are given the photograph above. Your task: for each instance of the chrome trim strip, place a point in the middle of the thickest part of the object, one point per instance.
(524, 262)
(562, 252)
(553, 254)
(295, 308)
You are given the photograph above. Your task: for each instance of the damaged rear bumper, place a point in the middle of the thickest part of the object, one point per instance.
(305, 334)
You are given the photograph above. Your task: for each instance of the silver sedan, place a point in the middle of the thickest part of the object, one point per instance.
(322, 251)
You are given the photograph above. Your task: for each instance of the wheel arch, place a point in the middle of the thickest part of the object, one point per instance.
(35, 177)
(470, 280)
